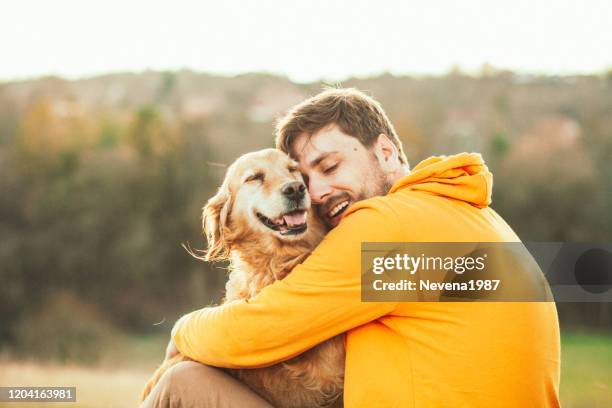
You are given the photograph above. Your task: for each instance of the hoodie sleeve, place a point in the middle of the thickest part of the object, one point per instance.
(319, 299)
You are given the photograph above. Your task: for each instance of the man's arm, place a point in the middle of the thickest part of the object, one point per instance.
(319, 299)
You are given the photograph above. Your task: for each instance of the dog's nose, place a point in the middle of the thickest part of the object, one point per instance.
(294, 190)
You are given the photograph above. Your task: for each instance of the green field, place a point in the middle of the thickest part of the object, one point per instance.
(586, 370)
(586, 380)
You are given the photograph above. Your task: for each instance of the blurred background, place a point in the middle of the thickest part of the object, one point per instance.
(117, 121)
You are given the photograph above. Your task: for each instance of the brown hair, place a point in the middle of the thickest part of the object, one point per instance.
(354, 112)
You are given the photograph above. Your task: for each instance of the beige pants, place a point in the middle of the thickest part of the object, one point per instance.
(193, 385)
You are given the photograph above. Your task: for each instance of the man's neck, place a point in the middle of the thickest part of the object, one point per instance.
(401, 172)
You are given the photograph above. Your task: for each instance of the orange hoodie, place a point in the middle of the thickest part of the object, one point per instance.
(412, 354)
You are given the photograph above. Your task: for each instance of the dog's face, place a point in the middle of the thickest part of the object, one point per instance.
(270, 193)
(263, 192)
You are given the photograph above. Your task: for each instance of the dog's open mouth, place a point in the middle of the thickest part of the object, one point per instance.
(292, 223)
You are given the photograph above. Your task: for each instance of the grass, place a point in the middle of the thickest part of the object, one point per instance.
(97, 387)
(586, 370)
(116, 382)
(586, 379)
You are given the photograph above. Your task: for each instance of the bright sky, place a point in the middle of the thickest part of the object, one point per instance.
(305, 40)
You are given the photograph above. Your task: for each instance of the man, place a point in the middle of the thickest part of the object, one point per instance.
(410, 354)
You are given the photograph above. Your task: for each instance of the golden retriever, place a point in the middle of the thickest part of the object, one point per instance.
(261, 221)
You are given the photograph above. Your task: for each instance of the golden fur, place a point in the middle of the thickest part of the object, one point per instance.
(258, 256)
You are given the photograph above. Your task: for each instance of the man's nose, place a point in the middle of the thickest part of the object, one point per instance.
(294, 190)
(318, 191)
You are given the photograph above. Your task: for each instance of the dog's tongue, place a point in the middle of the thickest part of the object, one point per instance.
(296, 218)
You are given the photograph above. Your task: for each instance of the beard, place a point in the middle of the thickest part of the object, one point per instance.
(376, 183)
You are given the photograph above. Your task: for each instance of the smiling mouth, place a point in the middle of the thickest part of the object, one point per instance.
(291, 223)
(338, 209)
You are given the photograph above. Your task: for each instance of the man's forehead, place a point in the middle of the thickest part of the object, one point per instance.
(309, 150)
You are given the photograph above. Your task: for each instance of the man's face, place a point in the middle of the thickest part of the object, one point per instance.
(338, 171)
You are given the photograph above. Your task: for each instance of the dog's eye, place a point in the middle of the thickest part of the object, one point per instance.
(255, 177)
(292, 169)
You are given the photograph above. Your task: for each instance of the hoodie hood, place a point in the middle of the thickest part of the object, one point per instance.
(463, 177)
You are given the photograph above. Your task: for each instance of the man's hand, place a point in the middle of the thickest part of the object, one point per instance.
(171, 350)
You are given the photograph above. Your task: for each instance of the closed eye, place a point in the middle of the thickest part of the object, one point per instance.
(292, 169)
(259, 176)
(330, 169)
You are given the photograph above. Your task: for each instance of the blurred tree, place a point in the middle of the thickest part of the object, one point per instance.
(500, 144)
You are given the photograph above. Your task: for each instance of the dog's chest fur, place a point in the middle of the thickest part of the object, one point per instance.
(314, 378)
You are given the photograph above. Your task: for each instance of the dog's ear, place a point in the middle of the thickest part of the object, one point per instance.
(214, 224)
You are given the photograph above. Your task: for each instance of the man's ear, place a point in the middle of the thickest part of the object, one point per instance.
(214, 223)
(386, 153)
